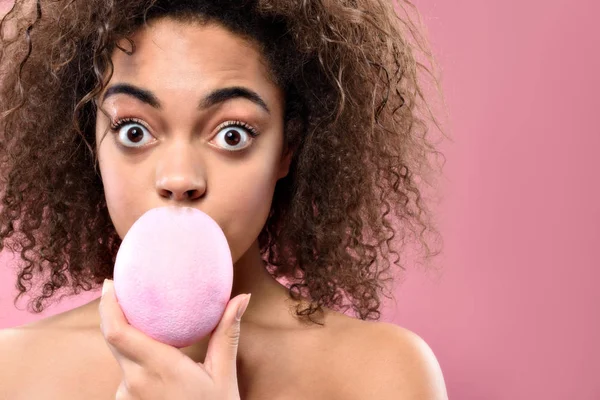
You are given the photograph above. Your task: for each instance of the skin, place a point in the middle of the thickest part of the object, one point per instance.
(182, 164)
(179, 155)
(154, 370)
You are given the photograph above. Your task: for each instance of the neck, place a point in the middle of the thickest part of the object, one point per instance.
(250, 275)
(270, 306)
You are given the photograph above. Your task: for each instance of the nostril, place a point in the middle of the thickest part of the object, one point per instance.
(166, 193)
(192, 194)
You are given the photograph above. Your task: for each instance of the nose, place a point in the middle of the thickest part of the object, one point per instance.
(179, 177)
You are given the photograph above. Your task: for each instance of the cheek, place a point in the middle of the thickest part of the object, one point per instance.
(118, 193)
(245, 204)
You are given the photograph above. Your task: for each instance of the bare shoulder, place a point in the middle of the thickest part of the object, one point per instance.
(38, 358)
(385, 361)
(15, 346)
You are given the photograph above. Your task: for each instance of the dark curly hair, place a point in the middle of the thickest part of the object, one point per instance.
(355, 114)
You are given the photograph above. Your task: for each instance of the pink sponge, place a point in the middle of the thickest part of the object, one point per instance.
(173, 275)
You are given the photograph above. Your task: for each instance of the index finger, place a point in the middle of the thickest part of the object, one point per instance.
(128, 341)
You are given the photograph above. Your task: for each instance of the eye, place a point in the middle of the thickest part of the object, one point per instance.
(132, 131)
(235, 135)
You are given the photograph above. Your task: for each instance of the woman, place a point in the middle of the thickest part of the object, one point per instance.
(292, 124)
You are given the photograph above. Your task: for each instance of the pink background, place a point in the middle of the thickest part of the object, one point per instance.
(514, 315)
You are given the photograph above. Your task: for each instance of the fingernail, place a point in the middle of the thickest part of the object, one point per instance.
(105, 286)
(242, 308)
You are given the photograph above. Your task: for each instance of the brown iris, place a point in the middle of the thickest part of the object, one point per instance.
(232, 137)
(135, 134)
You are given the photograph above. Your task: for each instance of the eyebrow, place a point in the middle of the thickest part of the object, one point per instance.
(217, 96)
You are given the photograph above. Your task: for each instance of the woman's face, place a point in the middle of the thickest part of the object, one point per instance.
(184, 108)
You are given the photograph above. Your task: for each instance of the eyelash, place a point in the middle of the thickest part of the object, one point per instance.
(118, 124)
(253, 132)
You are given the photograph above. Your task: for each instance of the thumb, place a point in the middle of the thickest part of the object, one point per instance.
(221, 354)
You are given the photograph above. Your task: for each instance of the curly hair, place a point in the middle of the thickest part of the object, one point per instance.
(355, 115)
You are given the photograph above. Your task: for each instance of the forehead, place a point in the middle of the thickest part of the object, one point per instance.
(170, 54)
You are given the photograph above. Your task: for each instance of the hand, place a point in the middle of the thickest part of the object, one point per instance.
(154, 370)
